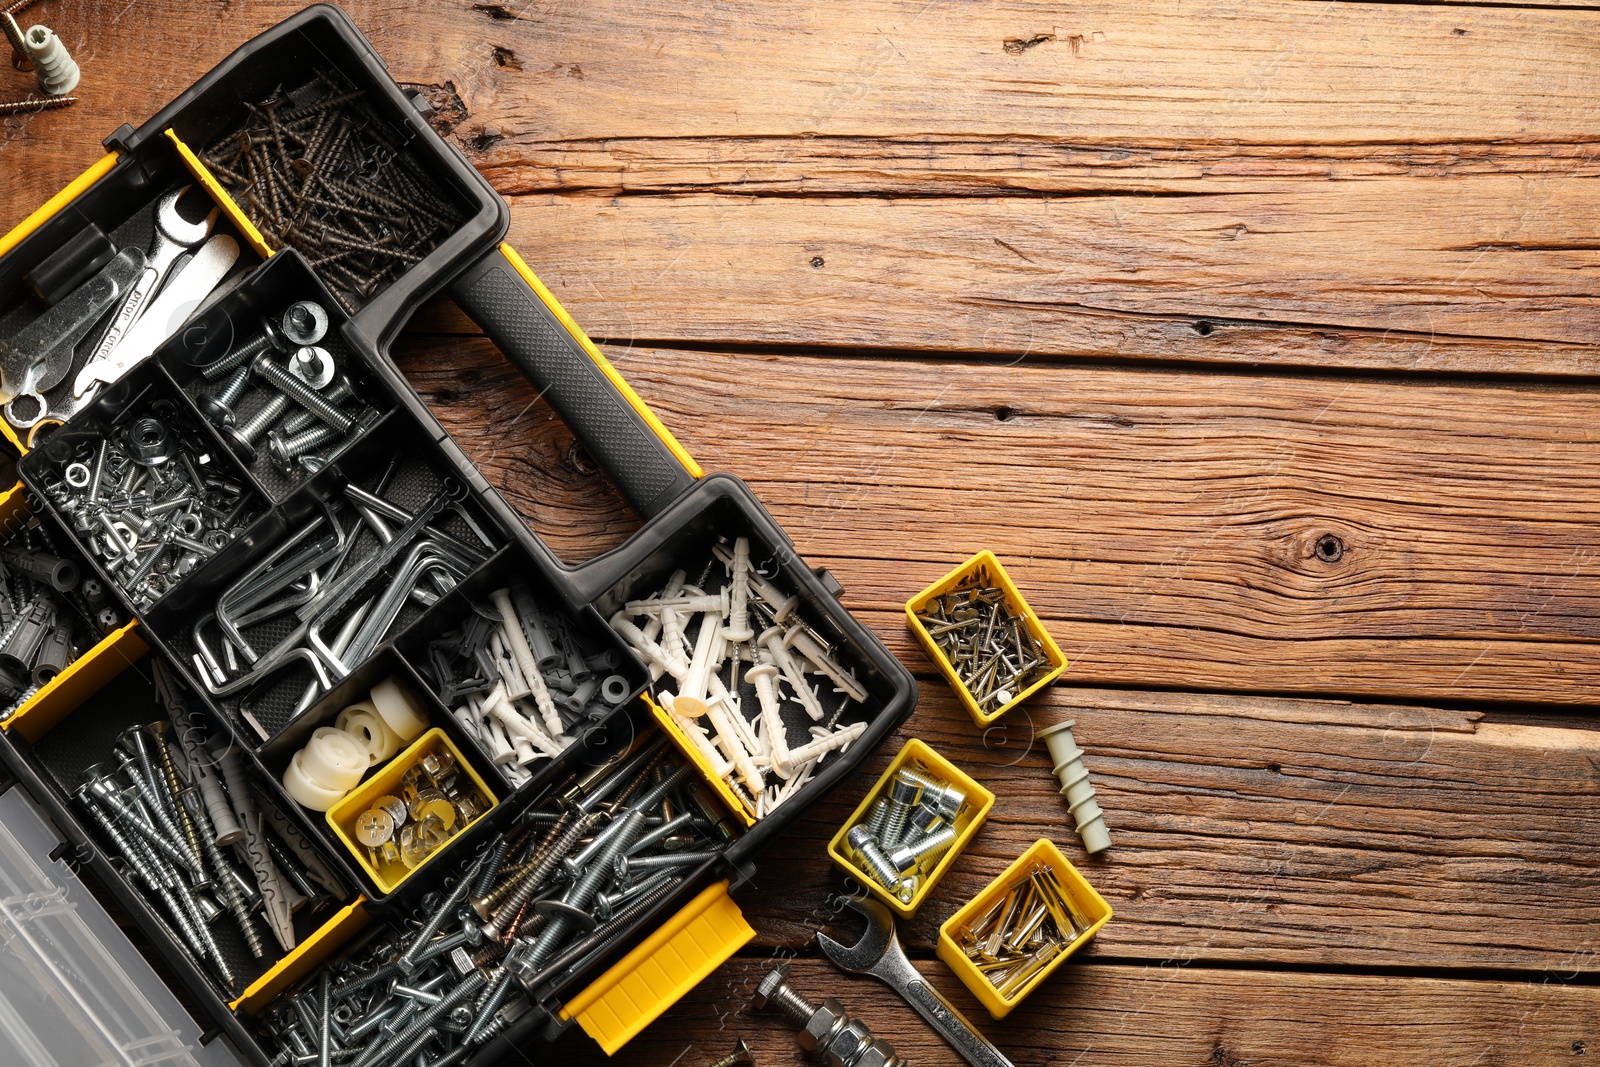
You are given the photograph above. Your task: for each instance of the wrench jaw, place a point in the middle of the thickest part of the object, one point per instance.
(878, 942)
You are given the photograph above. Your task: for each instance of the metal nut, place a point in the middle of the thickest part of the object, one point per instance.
(827, 1018)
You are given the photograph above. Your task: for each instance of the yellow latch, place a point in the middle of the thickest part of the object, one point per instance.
(654, 976)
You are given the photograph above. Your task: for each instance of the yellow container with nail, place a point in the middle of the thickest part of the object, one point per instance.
(983, 569)
(1088, 909)
(917, 755)
(342, 817)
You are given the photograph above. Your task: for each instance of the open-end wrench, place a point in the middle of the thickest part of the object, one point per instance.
(37, 358)
(163, 317)
(879, 954)
(175, 235)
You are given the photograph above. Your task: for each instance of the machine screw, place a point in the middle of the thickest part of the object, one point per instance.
(218, 406)
(911, 855)
(302, 394)
(338, 392)
(243, 438)
(903, 794)
(408, 959)
(860, 839)
(270, 338)
(283, 451)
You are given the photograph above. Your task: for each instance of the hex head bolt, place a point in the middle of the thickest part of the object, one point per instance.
(217, 406)
(305, 323)
(1075, 785)
(242, 439)
(269, 339)
(302, 394)
(821, 1024)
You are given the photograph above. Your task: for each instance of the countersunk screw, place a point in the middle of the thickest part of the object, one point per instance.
(302, 394)
(739, 1055)
(218, 406)
(268, 339)
(21, 107)
(243, 438)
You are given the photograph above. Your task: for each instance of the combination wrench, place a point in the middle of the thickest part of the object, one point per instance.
(879, 954)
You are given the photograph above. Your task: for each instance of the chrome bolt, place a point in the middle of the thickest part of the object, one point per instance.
(301, 393)
(243, 438)
(217, 406)
(268, 339)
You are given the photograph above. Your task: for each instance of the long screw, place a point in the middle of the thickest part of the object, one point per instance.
(302, 394)
(408, 959)
(23, 107)
(268, 339)
(169, 772)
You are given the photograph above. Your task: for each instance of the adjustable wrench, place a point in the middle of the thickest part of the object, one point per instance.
(38, 357)
(174, 236)
(879, 954)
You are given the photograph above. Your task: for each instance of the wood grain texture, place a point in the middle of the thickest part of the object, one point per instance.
(1092, 1014)
(1164, 523)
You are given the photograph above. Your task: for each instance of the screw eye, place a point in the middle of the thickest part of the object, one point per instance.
(1328, 548)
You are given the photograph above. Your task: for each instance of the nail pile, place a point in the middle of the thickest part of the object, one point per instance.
(151, 500)
(1025, 930)
(709, 711)
(183, 819)
(908, 827)
(993, 651)
(519, 680)
(316, 169)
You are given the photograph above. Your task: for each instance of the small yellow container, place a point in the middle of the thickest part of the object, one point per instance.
(983, 569)
(342, 816)
(1088, 903)
(979, 801)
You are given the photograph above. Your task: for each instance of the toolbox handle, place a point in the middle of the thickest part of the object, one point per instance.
(535, 332)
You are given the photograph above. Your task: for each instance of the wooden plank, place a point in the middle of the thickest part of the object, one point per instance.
(1093, 1014)
(1164, 523)
(1258, 830)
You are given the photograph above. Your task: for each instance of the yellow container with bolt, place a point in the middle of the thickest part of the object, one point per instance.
(932, 797)
(410, 809)
(946, 614)
(1010, 937)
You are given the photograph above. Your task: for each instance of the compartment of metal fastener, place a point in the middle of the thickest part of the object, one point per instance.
(275, 316)
(894, 822)
(122, 211)
(459, 646)
(999, 693)
(1077, 908)
(142, 522)
(82, 746)
(385, 531)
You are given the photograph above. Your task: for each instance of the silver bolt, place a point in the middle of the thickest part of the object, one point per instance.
(305, 323)
(217, 406)
(338, 392)
(903, 793)
(243, 438)
(284, 450)
(909, 856)
(302, 394)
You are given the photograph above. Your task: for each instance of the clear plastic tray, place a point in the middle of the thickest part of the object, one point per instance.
(73, 989)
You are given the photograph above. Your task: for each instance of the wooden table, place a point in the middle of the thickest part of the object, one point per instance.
(1152, 300)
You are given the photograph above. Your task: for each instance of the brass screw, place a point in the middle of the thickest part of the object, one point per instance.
(740, 1054)
(24, 107)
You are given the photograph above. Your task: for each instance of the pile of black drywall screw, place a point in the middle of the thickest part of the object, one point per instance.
(314, 170)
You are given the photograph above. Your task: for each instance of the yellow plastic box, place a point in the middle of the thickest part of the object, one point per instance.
(342, 816)
(1088, 903)
(979, 801)
(983, 569)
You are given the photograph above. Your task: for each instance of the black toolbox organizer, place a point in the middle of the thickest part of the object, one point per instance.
(683, 509)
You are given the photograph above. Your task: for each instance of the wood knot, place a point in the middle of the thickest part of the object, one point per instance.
(1328, 548)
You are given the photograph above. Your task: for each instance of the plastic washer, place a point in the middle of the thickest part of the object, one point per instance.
(306, 792)
(391, 701)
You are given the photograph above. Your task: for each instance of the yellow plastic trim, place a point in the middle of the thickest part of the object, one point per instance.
(979, 803)
(305, 956)
(731, 800)
(342, 816)
(996, 575)
(654, 976)
(73, 190)
(601, 361)
(229, 206)
(82, 679)
(1089, 903)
